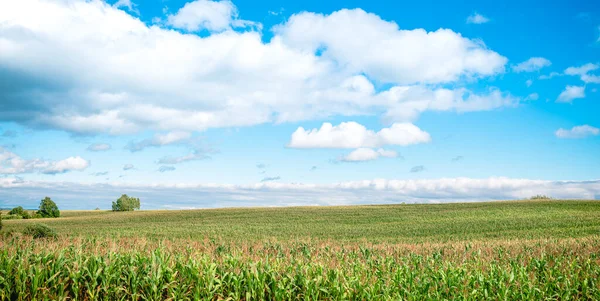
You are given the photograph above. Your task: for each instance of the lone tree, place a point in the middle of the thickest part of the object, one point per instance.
(126, 203)
(48, 208)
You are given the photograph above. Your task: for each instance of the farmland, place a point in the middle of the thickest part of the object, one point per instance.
(497, 250)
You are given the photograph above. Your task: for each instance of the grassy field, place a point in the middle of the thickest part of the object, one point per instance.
(502, 250)
(385, 224)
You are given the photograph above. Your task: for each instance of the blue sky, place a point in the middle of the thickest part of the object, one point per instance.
(261, 103)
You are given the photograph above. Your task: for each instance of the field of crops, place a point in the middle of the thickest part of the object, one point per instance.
(505, 250)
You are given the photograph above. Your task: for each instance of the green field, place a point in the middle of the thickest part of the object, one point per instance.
(496, 250)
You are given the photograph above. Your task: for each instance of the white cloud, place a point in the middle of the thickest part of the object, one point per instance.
(532, 64)
(368, 154)
(584, 73)
(549, 76)
(570, 93)
(127, 4)
(128, 166)
(476, 18)
(193, 156)
(11, 163)
(154, 78)
(363, 42)
(159, 140)
(270, 193)
(576, 132)
(532, 96)
(206, 14)
(406, 103)
(529, 83)
(99, 147)
(354, 135)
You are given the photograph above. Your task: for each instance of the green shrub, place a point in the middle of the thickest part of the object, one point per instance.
(19, 211)
(40, 231)
(48, 208)
(12, 216)
(126, 203)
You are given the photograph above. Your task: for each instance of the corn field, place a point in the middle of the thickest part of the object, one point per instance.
(143, 269)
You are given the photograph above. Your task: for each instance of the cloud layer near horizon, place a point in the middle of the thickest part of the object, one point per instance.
(15, 191)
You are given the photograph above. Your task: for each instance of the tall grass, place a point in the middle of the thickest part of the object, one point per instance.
(139, 269)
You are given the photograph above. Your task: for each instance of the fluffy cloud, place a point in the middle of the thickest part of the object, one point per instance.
(207, 15)
(570, 93)
(154, 78)
(354, 135)
(378, 191)
(365, 43)
(11, 163)
(368, 154)
(405, 103)
(158, 140)
(128, 166)
(532, 64)
(476, 18)
(584, 73)
(99, 147)
(581, 131)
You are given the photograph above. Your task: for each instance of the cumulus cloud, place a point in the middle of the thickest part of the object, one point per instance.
(149, 77)
(355, 135)
(165, 168)
(99, 147)
(576, 132)
(101, 173)
(532, 64)
(418, 168)
(570, 93)
(128, 166)
(407, 102)
(158, 140)
(584, 73)
(476, 18)
(378, 191)
(529, 83)
(208, 15)
(366, 43)
(261, 166)
(368, 154)
(11, 163)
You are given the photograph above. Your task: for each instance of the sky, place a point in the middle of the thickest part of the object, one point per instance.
(204, 104)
